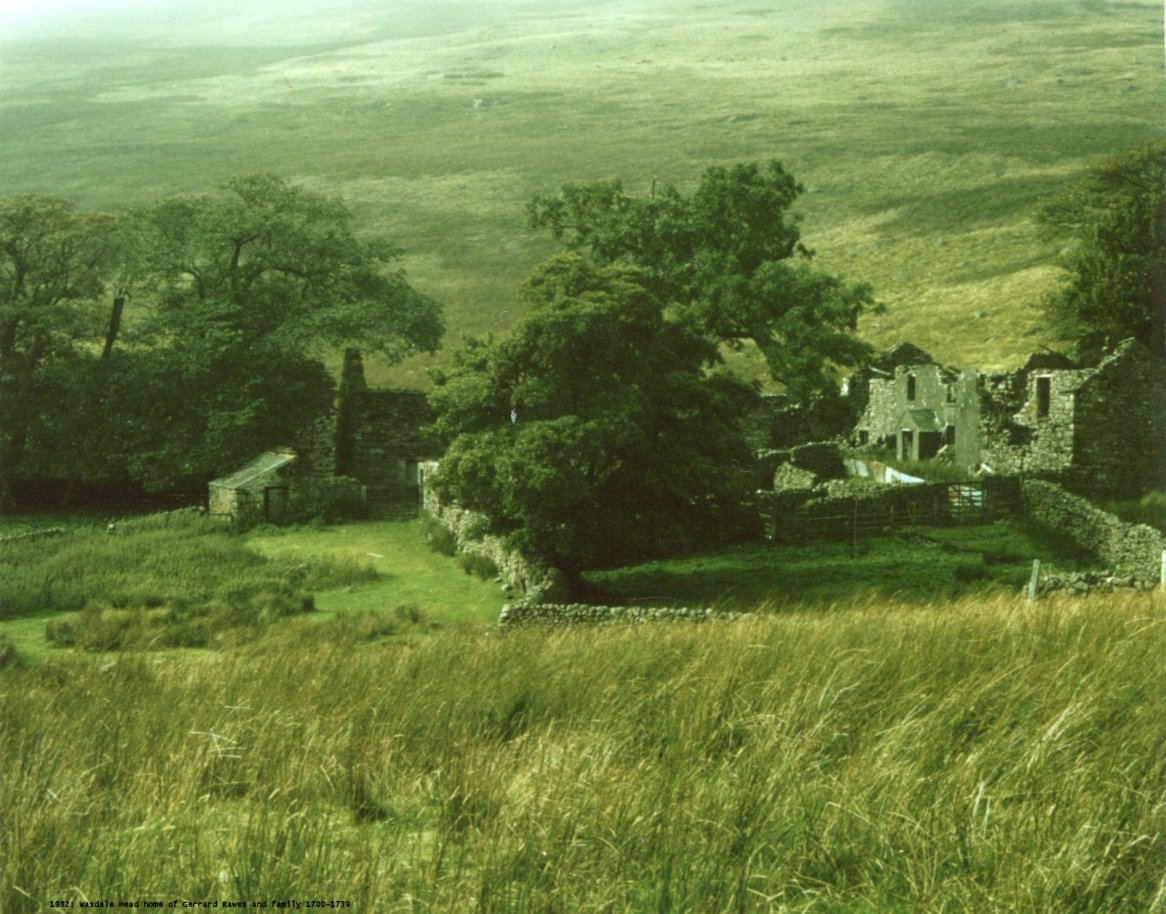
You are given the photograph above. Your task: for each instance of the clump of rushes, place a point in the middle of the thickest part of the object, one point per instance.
(178, 579)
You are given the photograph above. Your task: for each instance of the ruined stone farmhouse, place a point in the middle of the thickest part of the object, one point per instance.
(1098, 429)
(379, 438)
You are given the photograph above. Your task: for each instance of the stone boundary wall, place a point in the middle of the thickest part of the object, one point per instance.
(517, 614)
(537, 582)
(1081, 583)
(1132, 549)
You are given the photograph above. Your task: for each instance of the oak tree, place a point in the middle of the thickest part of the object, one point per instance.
(729, 261)
(593, 434)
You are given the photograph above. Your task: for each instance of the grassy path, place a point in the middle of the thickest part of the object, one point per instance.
(411, 573)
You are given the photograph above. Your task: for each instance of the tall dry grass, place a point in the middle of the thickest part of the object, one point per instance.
(979, 756)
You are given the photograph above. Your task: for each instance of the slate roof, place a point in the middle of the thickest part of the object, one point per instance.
(922, 420)
(260, 466)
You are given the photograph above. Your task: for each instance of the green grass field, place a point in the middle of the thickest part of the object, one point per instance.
(914, 566)
(924, 131)
(409, 573)
(182, 581)
(982, 755)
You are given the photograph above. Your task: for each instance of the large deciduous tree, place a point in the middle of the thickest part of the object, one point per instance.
(251, 286)
(239, 294)
(729, 261)
(272, 263)
(1114, 220)
(51, 264)
(593, 434)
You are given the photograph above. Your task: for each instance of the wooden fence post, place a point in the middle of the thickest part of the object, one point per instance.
(1033, 580)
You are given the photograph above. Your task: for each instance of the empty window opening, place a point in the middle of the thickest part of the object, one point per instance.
(950, 393)
(910, 387)
(1043, 397)
(906, 445)
(863, 437)
(949, 435)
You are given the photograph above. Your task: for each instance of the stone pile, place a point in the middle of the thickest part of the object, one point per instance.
(583, 614)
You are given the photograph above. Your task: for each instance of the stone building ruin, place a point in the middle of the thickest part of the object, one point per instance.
(1098, 429)
(381, 439)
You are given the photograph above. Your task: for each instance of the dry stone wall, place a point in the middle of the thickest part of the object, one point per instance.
(1130, 549)
(1082, 583)
(519, 614)
(538, 582)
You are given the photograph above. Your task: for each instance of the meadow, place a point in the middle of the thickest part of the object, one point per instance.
(185, 580)
(972, 755)
(917, 565)
(948, 747)
(924, 132)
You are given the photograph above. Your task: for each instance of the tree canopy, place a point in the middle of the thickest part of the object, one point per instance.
(51, 263)
(252, 285)
(271, 263)
(728, 260)
(592, 434)
(1114, 221)
(238, 296)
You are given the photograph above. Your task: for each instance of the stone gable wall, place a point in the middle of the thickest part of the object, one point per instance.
(388, 429)
(880, 418)
(1120, 434)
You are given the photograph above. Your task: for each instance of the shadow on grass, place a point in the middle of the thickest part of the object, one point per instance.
(934, 564)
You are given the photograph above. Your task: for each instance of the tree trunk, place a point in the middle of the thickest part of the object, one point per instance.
(115, 313)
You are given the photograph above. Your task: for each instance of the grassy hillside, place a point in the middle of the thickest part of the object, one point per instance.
(980, 756)
(924, 131)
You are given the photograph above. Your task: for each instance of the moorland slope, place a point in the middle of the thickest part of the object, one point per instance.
(924, 132)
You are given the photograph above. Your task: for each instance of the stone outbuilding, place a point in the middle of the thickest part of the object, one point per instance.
(257, 492)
